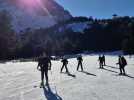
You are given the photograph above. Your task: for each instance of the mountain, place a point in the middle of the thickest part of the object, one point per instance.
(34, 14)
(79, 34)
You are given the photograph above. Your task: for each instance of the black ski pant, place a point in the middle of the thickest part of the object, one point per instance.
(80, 64)
(101, 64)
(122, 70)
(64, 65)
(46, 75)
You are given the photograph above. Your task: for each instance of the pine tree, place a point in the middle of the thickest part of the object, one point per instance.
(7, 36)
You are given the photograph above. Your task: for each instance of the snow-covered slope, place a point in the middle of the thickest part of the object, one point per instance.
(78, 27)
(75, 27)
(20, 81)
(34, 15)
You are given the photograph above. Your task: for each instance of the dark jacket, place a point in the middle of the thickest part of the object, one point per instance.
(64, 61)
(79, 59)
(44, 63)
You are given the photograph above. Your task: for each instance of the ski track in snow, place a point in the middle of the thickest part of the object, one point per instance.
(20, 81)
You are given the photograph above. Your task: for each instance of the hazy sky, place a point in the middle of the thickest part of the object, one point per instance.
(99, 8)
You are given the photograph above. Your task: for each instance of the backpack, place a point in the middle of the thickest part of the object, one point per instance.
(124, 61)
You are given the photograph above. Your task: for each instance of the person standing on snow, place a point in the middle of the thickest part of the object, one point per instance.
(122, 63)
(65, 62)
(44, 64)
(100, 59)
(80, 60)
(103, 58)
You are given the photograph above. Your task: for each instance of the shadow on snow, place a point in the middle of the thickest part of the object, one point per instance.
(109, 70)
(69, 74)
(87, 73)
(50, 95)
(112, 67)
(126, 75)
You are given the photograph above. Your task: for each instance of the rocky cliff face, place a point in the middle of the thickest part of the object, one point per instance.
(34, 14)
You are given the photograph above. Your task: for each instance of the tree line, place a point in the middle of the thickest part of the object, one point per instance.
(116, 33)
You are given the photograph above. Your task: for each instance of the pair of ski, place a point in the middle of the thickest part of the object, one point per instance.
(41, 85)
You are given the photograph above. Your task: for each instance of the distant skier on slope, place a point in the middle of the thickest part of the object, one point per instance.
(80, 60)
(122, 63)
(100, 59)
(65, 62)
(103, 58)
(44, 64)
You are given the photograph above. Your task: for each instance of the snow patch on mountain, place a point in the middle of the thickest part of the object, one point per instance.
(21, 19)
(79, 27)
(75, 27)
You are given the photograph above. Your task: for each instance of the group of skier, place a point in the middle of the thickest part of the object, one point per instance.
(121, 62)
(44, 64)
(65, 62)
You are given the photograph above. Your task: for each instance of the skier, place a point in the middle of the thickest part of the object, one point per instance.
(44, 64)
(65, 62)
(122, 63)
(100, 61)
(103, 58)
(80, 60)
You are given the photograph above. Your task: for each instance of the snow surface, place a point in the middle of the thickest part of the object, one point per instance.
(20, 81)
(78, 27)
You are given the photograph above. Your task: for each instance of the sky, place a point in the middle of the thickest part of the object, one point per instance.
(99, 8)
